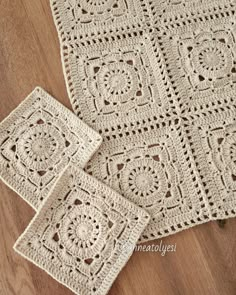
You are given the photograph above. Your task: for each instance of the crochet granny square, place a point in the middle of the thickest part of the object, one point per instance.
(200, 56)
(37, 140)
(212, 137)
(84, 233)
(156, 173)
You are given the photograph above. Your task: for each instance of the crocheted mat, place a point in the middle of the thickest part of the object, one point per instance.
(157, 80)
(37, 140)
(83, 234)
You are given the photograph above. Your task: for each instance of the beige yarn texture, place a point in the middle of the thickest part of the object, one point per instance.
(157, 80)
(83, 234)
(37, 141)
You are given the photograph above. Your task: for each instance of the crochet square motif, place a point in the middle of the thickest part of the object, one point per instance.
(114, 81)
(84, 233)
(154, 174)
(204, 59)
(213, 143)
(37, 140)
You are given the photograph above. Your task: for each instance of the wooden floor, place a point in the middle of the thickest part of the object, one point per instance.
(205, 258)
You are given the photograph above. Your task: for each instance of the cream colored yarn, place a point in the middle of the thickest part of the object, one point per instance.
(37, 141)
(83, 234)
(157, 80)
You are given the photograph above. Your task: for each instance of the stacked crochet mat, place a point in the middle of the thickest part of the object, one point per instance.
(83, 232)
(156, 80)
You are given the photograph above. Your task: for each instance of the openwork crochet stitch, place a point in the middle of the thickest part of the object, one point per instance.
(37, 141)
(156, 79)
(83, 234)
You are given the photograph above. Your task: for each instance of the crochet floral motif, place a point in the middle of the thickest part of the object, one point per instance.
(116, 82)
(143, 83)
(37, 141)
(204, 60)
(141, 174)
(154, 175)
(83, 234)
(209, 60)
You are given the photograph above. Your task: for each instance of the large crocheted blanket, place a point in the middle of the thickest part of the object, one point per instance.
(156, 79)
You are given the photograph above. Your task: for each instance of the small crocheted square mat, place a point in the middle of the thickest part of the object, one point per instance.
(37, 140)
(84, 233)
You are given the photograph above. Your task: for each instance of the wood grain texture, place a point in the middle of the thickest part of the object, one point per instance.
(205, 259)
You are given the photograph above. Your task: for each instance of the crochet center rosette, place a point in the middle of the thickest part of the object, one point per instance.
(83, 234)
(37, 140)
(157, 80)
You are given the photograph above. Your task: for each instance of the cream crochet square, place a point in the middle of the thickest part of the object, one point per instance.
(84, 233)
(111, 81)
(155, 173)
(213, 144)
(200, 57)
(37, 140)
